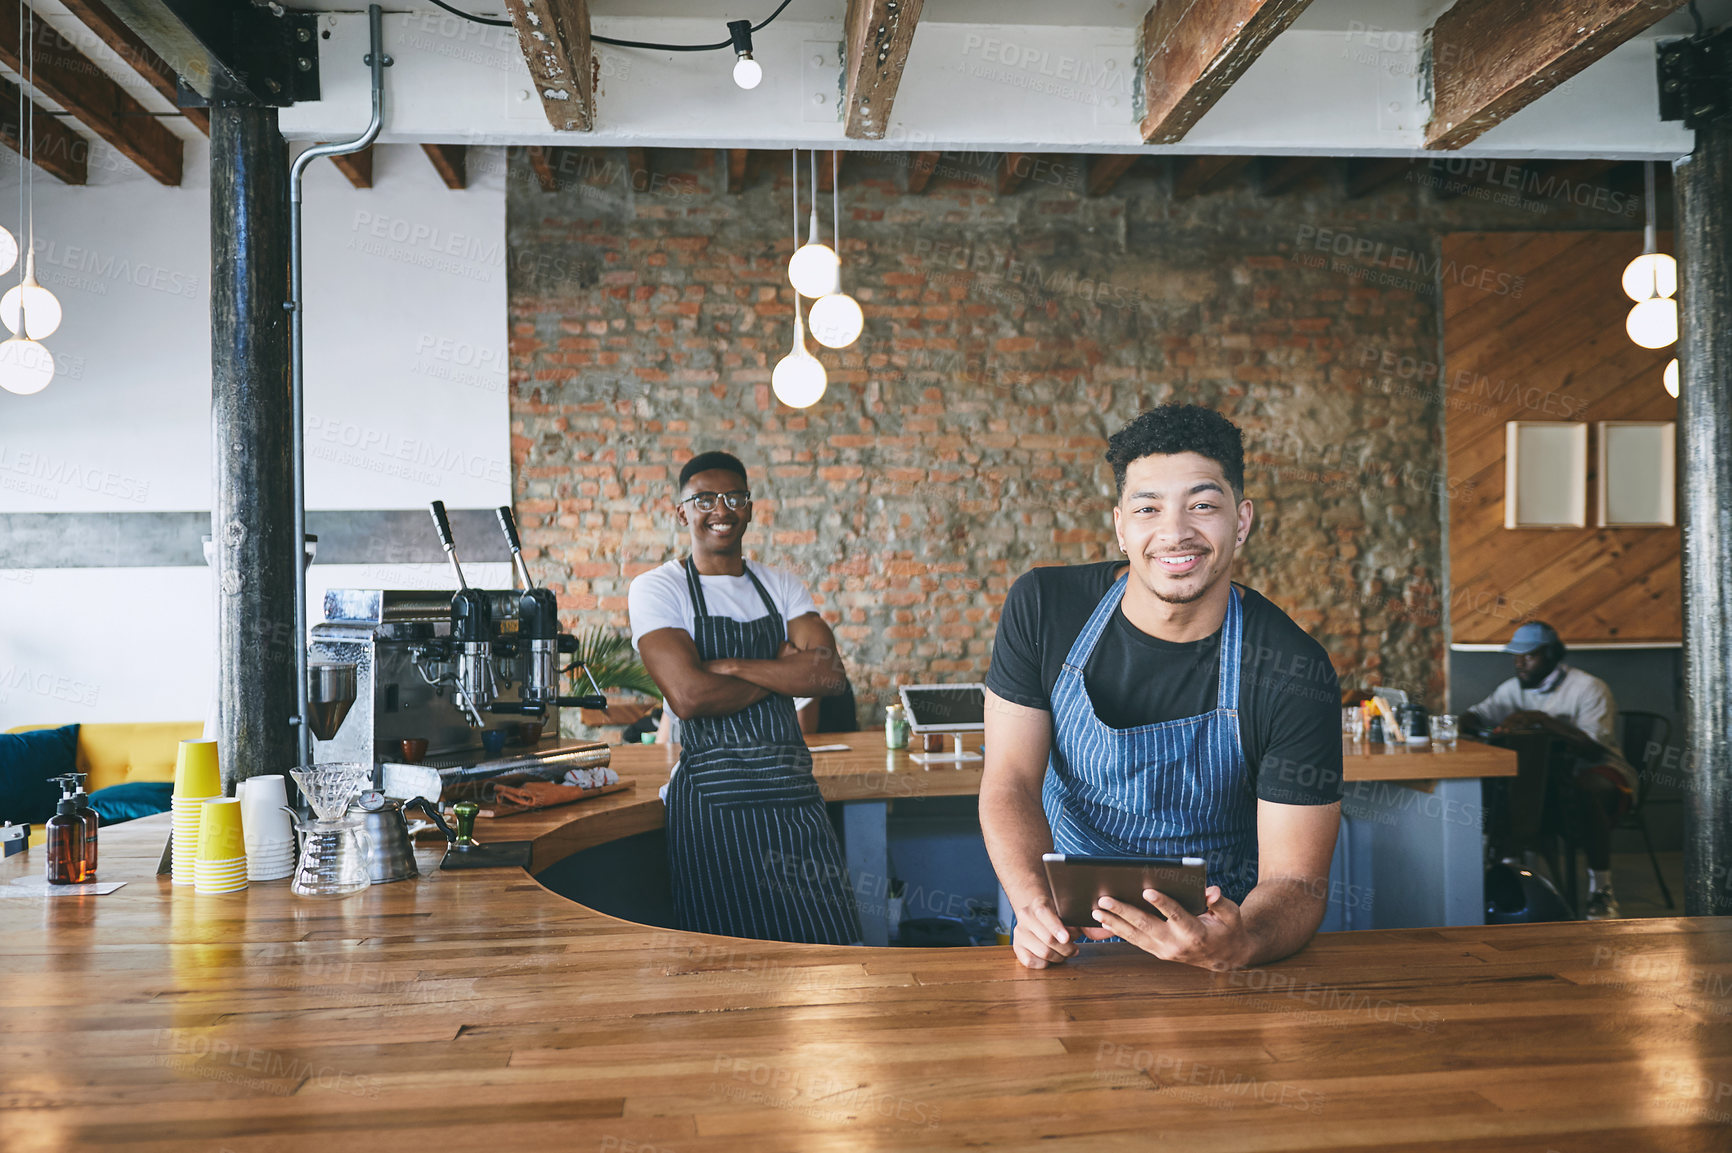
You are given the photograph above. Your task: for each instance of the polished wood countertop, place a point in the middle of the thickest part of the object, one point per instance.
(477, 1009)
(869, 771)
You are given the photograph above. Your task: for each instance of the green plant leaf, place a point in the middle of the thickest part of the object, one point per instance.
(612, 662)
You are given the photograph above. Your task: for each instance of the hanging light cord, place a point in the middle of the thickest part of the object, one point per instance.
(836, 203)
(1651, 226)
(624, 43)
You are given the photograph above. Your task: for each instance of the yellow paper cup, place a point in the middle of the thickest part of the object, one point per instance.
(219, 831)
(195, 770)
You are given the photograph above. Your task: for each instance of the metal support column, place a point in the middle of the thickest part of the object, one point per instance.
(1704, 236)
(252, 520)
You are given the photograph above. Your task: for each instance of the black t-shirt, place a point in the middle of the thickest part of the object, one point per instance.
(1289, 698)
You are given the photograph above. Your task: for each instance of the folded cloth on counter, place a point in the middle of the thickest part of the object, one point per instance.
(595, 778)
(509, 800)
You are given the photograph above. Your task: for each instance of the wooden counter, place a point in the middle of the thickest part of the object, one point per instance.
(478, 1010)
(870, 772)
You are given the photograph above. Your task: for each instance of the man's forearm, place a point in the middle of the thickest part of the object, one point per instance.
(1016, 832)
(1281, 916)
(714, 694)
(786, 677)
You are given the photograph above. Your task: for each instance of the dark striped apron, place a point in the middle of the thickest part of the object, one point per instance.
(1175, 789)
(751, 850)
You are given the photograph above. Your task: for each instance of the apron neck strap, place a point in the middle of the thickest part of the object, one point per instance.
(696, 587)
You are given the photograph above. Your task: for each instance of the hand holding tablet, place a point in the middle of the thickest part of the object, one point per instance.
(1078, 883)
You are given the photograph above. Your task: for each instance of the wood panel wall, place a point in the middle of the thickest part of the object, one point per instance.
(1553, 348)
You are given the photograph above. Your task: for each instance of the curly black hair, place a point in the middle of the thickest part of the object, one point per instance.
(1174, 428)
(705, 461)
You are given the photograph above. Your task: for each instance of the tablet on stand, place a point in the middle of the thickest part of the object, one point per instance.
(951, 709)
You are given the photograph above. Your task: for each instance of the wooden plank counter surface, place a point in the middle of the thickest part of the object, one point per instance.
(868, 771)
(478, 1010)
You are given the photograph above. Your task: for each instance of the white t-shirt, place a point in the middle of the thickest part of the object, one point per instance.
(659, 599)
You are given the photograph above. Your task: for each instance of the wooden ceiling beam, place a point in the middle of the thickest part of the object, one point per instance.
(451, 162)
(1104, 171)
(828, 175)
(1366, 176)
(357, 166)
(879, 34)
(554, 35)
(59, 151)
(1276, 174)
(540, 160)
(920, 168)
(139, 56)
(1193, 52)
(1196, 175)
(70, 79)
(1492, 58)
(734, 165)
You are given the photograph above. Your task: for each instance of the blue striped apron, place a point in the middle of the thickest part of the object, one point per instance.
(751, 851)
(1178, 788)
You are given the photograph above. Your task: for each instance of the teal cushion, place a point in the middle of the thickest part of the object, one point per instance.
(132, 800)
(27, 761)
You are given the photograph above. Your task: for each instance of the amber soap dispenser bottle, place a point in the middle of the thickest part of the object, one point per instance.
(65, 831)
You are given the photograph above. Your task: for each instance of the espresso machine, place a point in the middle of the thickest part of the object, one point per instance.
(450, 668)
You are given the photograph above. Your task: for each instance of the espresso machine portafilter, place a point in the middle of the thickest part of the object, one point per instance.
(471, 632)
(539, 640)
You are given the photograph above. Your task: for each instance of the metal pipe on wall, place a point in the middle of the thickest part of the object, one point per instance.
(1703, 182)
(377, 61)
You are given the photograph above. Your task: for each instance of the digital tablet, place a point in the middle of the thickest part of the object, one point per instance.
(1078, 882)
(959, 708)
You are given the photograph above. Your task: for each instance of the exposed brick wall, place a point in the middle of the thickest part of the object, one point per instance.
(961, 439)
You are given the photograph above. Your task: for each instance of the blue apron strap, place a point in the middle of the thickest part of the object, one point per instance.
(1097, 623)
(1227, 679)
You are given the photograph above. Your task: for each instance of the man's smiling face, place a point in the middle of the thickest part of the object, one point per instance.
(720, 529)
(1179, 524)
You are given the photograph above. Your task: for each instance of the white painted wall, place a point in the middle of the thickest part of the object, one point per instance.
(406, 403)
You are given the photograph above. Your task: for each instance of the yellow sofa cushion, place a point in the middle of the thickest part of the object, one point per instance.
(119, 753)
(113, 754)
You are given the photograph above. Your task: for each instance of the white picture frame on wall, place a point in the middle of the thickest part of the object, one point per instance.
(1545, 474)
(1638, 473)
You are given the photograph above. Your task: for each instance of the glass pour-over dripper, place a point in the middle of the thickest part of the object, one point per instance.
(334, 847)
(330, 787)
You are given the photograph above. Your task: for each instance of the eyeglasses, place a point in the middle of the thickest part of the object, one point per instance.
(706, 501)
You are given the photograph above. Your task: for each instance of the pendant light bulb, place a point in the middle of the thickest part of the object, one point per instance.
(1653, 323)
(799, 379)
(1670, 378)
(837, 320)
(32, 300)
(1650, 275)
(8, 251)
(814, 270)
(25, 366)
(747, 72)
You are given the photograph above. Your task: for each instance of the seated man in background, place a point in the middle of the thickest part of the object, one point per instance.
(1549, 696)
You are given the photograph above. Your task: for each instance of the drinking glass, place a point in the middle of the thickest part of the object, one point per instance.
(1445, 728)
(1353, 724)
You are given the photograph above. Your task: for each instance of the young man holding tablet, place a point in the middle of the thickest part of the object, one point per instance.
(1148, 707)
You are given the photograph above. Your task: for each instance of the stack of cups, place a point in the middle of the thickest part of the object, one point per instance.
(270, 837)
(222, 849)
(196, 779)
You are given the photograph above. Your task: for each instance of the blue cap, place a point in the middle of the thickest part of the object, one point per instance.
(1531, 636)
